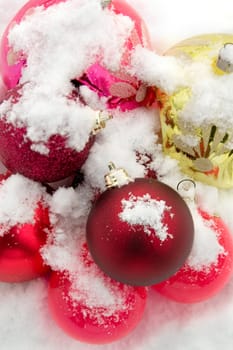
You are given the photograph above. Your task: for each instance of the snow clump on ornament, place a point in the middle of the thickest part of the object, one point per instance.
(50, 121)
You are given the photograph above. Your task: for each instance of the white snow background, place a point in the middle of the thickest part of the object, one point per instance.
(25, 322)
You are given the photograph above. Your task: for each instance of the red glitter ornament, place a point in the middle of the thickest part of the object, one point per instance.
(190, 284)
(20, 258)
(85, 318)
(18, 156)
(140, 233)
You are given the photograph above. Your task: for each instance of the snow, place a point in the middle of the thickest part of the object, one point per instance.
(165, 324)
(20, 196)
(210, 101)
(146, 212)
(68, 215)
(206, 248)
(119, 142)
(82, 291)
(164, 72)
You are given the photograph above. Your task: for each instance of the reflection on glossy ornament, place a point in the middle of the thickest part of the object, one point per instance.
(20, 258)
(204, 151)
(140, 233)
(195, 284)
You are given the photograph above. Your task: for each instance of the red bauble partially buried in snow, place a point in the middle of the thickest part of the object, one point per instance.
(141, 233)
(20, 258)
(85, 317)
(195, 284)
(18, 155)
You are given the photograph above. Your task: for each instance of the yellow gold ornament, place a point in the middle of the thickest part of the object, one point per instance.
(205, 150)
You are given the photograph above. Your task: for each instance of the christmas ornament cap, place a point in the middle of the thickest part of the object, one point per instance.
(186, 188)
(105, 3)
(225, 59)
(101, 118)
(116, 177)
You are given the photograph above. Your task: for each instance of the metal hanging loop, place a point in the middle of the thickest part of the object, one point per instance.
(187, 189)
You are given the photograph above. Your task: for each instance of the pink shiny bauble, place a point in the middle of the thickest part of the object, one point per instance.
(11, 67)
(11, 64)
(120, 89)
(20, 258)
(189, 285)
(16, 153)
(98, 324)
(132, 253)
